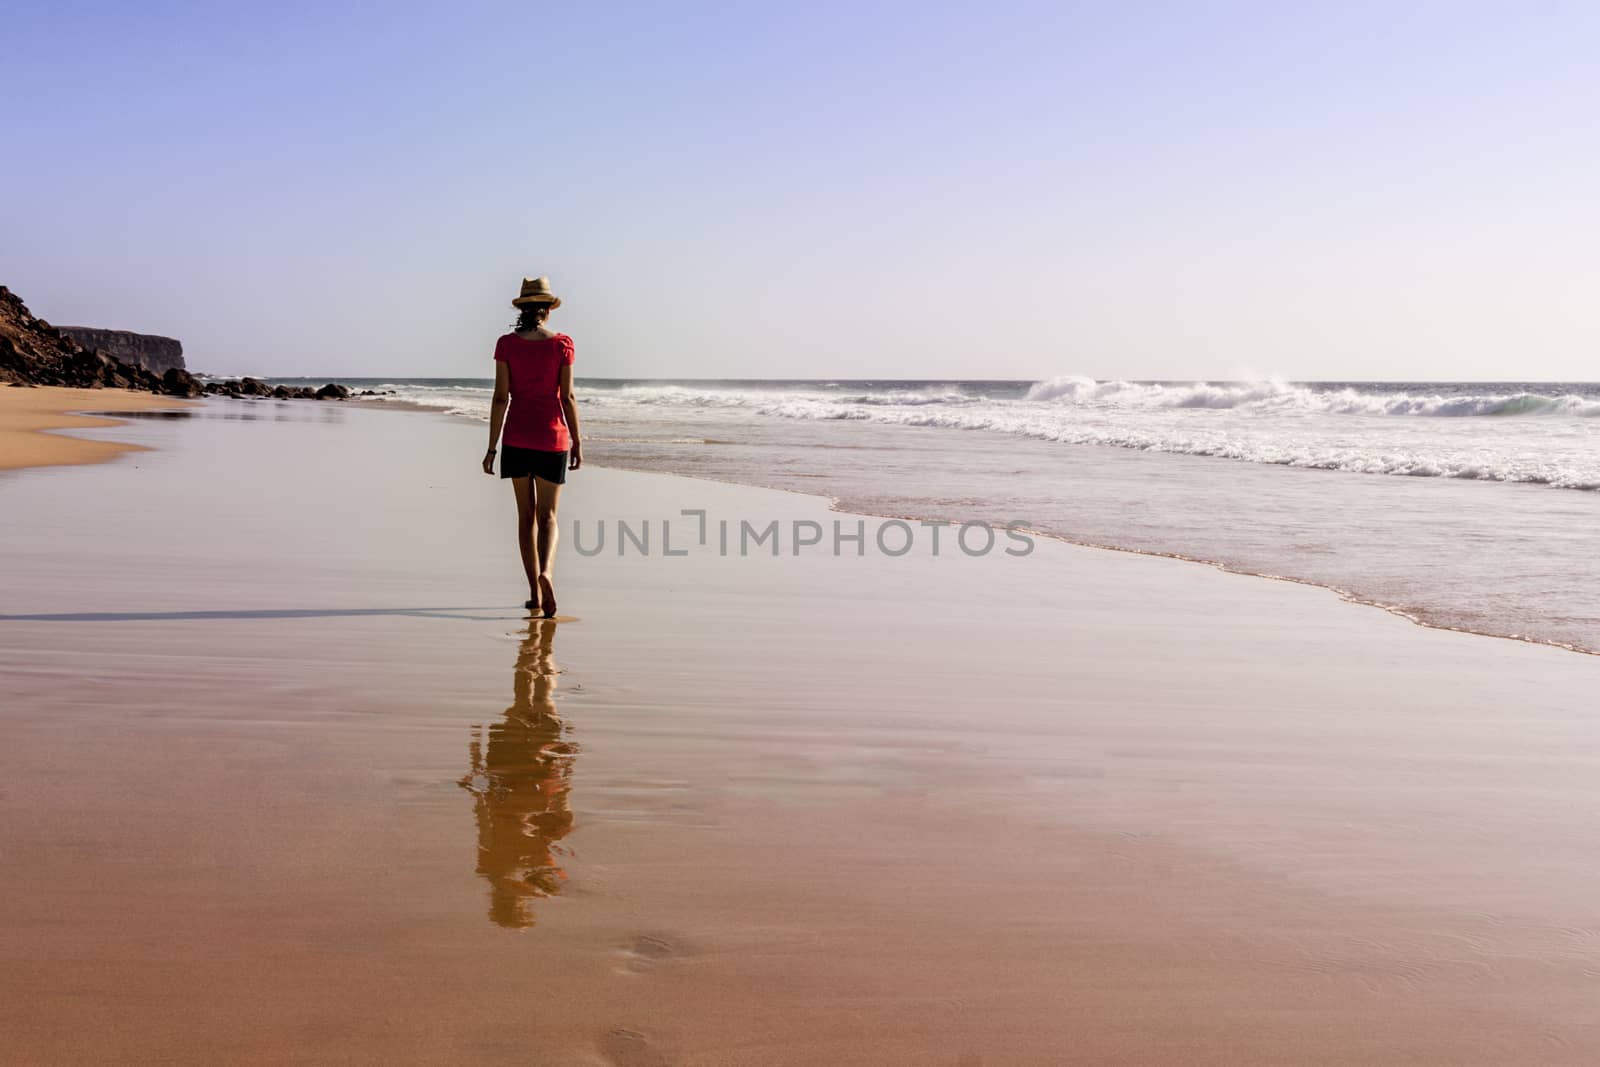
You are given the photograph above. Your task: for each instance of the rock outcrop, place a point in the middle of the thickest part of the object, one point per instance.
(179, 382)
(33, 352)
(159, 354)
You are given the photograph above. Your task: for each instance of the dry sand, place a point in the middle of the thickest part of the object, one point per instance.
(289, 778)
(25, 415)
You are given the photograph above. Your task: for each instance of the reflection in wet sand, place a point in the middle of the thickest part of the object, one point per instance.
(521, 777)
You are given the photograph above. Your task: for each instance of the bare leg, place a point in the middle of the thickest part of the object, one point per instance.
(525, 535)
(544, 508)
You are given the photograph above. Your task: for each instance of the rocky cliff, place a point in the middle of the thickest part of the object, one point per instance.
(33, 352)
(159, 354)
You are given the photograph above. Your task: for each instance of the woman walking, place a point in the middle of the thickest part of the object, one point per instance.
(533, 376)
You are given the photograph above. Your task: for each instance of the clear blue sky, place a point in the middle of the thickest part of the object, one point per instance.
(770, 190)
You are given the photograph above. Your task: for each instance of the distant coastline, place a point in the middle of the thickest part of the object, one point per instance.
(35, 353)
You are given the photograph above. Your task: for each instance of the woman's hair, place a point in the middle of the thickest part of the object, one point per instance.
(532, 317)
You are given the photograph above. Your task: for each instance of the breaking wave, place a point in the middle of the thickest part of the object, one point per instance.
(1279, 397)
(1412, 431)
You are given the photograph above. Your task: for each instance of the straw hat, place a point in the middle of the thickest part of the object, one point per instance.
(536, 291)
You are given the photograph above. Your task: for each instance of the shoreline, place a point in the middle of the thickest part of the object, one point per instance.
(109, 450)
(837, 504)
(31, 416)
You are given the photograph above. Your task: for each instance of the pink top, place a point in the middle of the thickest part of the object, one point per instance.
(535, 419)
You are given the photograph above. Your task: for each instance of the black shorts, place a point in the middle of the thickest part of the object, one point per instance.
(520, 462)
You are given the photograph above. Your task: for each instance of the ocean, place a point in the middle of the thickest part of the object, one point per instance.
(1472, 506)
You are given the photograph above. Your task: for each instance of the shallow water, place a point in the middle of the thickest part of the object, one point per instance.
(1465, 505)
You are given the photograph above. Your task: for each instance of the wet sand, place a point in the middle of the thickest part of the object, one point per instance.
(289, 777)
(26, 416)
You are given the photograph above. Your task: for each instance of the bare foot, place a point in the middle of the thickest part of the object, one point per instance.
(547, 596)
(533, 600)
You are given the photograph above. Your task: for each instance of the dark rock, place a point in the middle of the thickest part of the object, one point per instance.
(34, 352)
(179, 382)
(238, 389)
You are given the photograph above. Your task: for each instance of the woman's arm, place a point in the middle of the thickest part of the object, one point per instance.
(497, 412)
(569, 408)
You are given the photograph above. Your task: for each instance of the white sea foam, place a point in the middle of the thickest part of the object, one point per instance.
(1275, 396)
(1445, 433)
(1476, 556)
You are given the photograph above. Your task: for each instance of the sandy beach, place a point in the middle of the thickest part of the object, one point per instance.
(290, 777)
(26, 416)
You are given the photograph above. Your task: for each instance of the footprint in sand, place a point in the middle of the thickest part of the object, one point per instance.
(647, 952)
(630, 1048)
